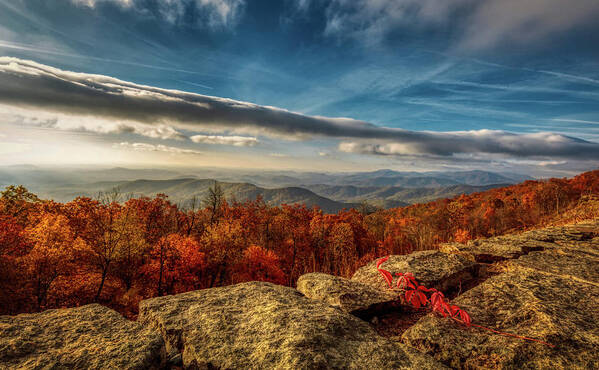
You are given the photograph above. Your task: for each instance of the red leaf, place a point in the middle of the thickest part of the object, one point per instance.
(465, 317)
(453, 310)
(388, 277)
(423, 298)
(436, 300)
(409, 294)
(416, 298)
(380, 261)
(386, 274)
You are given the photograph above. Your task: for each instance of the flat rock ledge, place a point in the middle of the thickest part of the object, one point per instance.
(550, 294)
(433, 269)
(524, 302)
(350, 296)
(265, 326)
(87, 337)
(512, 246)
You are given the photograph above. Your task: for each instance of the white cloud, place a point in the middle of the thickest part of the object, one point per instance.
(225, 140)
(541, 144)
(64, 122)
(97, 103)
(144, 147)
(278, 155)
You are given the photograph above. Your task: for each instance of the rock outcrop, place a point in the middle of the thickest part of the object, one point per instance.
(549, 293)
(433, 269)
(542, 284)
(262, 325)
(87, 337)
(350, 296)
(512, 246)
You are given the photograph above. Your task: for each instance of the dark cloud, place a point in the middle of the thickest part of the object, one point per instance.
(29, 84)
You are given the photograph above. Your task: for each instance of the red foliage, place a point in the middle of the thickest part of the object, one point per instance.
(123, 252)
(415, 295)
(260, 264)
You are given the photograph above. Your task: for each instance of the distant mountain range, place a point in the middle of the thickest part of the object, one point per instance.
(330, 191)
(182, 191)
(375, 178)
(394, 196)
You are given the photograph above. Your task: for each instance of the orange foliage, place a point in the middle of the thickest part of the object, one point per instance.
(83, 251)
(260, 264)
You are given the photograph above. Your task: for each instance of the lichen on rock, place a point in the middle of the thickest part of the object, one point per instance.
(550, 294)
(350, 296)
(86, 337)
(262, 325)
(433, 269)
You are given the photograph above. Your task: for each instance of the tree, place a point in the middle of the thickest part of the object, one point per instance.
(223, 245)
(131, 248)
(16, 201)
(259, 264)
(176, 264)
(214, 201)
(51, 255)
(104, 228)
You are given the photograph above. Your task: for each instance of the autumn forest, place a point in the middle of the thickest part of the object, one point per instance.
(118, 251)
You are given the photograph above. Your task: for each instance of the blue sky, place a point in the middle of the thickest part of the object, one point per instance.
(484, 67)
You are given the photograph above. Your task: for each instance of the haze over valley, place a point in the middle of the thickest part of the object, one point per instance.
(329, 191)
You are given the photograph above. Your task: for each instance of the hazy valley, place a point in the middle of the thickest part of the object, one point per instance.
(329, 191)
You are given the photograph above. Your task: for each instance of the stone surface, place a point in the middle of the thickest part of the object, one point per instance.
(350, 296)
(513, 246)
(262, 325)
(550, 294)
(565, 262)
(90, 337)
(433, 269)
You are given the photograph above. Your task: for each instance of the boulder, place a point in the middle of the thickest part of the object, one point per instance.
(522, 301)
(350, 296)
(433, 269)
(262, 325)
(90, 337)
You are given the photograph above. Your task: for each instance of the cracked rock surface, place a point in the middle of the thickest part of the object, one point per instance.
(350, 296)
(262, 325)
(86, 337)
(550, 294)
(433, 269)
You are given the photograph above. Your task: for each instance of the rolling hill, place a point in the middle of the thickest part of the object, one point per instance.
(183, 190)
(394, 196)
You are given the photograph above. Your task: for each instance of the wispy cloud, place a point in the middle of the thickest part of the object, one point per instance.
(483, 23)
(29, 84)
(144, 147)
(213, 13)
(225, 140)
(576, 121)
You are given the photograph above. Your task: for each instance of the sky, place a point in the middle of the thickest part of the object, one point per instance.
(337, 85)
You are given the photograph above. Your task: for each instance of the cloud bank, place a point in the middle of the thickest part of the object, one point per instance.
(28, 84)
